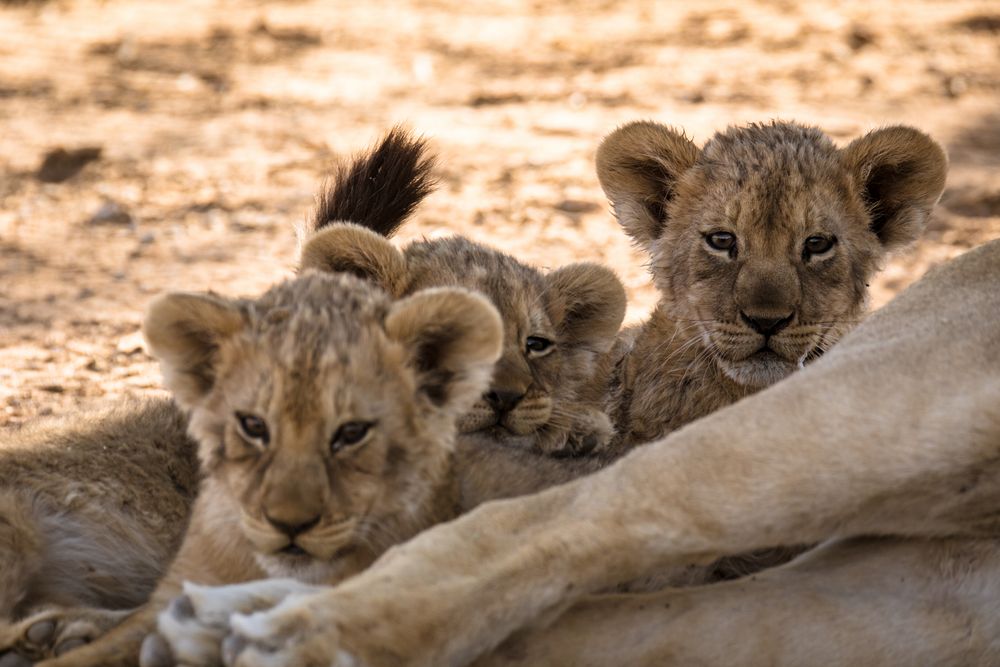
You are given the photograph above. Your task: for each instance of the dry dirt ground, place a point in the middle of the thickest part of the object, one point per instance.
(217, 120)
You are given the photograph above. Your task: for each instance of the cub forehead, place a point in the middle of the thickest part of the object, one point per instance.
(337, 304)
(518, 291)
(780, 150)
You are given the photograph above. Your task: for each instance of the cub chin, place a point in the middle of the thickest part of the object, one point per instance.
(556, 324)
(325, 417)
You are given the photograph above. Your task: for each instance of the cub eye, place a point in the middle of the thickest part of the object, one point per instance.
(536, 345)
(349, 433)
(817, 245)
(253, 427)
(721, 240)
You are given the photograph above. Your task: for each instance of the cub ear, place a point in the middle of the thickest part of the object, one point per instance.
(593, 300)
(184, 332)
(638, 166)
(354, 249)
(900, 173)
(454, 337)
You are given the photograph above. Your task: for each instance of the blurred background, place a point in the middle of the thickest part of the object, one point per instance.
(174, 144)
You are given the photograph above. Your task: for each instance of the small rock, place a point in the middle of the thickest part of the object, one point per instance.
(981, 23)
(111, 213)
(576, 206)
(954, 86)
(859, 37)
(60, 164)
(53, 388)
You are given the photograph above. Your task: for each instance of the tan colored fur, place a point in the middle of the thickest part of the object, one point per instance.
(91, 511)
(309, 358)
(577, 307)
(772, 187)
(894, 433)
(580, 307)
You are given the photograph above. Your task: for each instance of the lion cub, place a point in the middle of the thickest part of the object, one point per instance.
(762, 244)
(556, 324)
(91, 511)
(325, 416)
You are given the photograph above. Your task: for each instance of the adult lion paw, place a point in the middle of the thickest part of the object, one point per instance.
(302, 631)
(192, 629)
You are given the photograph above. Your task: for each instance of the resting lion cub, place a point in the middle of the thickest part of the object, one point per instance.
(762, 244)
(556, 324)
(325, 419)
(91, 511)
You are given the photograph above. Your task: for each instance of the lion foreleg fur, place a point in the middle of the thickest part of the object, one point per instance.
(848, 603)
(895, 432)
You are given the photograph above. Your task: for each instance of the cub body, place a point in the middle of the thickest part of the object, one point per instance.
(91, 512)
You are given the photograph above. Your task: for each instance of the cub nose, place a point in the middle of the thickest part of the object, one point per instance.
(503, 400)
(292, 528)
(767, 326)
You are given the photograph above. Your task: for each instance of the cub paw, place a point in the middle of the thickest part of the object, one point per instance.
(589, 433)
(52, 633)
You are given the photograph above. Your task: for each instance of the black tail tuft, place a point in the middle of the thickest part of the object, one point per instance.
(379, 188)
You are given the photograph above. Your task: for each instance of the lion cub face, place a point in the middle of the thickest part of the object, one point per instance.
(763, 241)
(555, 324)
(325, 413)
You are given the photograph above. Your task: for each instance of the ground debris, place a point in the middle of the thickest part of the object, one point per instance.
(60, 164)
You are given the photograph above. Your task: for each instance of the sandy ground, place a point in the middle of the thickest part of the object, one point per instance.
(217, 120)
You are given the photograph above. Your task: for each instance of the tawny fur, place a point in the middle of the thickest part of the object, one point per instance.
(578, 308)
(68, 550)
(306, 358)
(897, 471)
(772, 187)
(91, 511)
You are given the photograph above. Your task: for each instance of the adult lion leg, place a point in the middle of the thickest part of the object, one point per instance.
(855, 602)
(896, 432)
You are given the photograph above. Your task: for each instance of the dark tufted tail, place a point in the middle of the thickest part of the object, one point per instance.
(379, 188)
